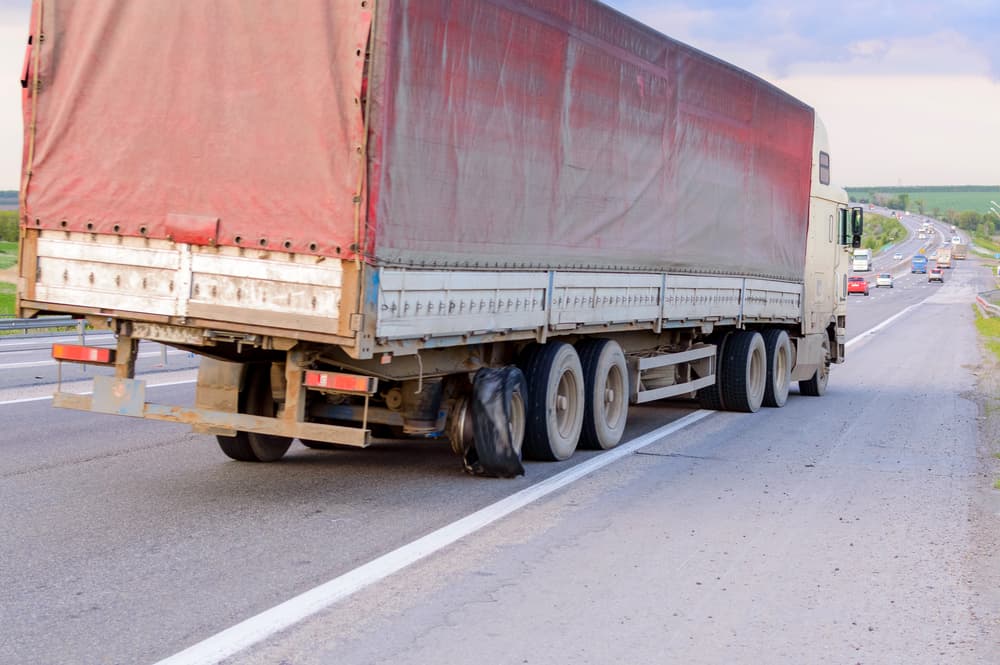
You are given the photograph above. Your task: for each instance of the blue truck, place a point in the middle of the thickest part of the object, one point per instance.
(919, 263)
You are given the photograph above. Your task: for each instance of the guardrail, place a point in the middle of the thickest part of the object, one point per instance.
(989, 301)
(44, 323)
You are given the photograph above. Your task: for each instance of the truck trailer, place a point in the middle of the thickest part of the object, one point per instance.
(862, 260)
(943, 259)
(500, 223)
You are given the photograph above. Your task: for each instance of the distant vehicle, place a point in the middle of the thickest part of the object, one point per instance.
(857, 285)
(918, 263)
(862, 260)
(922, 236)
(944, 257)
(884, 279)
(960, 251)
(897, 256)
(955, 240)
(935, 275)
(953, 230)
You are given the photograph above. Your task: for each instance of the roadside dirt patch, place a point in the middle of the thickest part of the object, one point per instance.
(9, 275)
(985, 508)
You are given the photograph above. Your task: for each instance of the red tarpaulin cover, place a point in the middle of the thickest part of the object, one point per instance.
(550, 133)
(561, 133)
(242, 110)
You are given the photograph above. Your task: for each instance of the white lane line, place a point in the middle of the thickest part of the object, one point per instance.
(871, 331)
(49, 397)
(258, 628)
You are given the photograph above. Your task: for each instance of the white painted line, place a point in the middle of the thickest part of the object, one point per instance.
(871, 331)
(255, 629)
(45, 397)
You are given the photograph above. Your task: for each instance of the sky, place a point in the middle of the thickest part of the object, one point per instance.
(909, 90)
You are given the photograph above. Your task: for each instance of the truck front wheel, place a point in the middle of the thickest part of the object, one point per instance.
(816, 385)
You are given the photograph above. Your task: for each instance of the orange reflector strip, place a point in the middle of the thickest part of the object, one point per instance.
(83, 354)
(350, 383)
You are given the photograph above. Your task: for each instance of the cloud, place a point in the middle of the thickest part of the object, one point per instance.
(777, 38)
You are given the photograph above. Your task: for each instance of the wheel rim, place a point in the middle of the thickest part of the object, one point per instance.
(781, 371)
(757, 372)
(613, 396)
(566, 405)
(517, 421)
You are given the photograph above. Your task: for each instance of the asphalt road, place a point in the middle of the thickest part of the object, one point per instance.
(843, 529)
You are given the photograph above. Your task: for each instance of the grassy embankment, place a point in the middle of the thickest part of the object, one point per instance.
(989, 330)
(881, 231)
(930, 199)
(8, 258)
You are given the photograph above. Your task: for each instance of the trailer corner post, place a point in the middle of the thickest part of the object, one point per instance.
(295, 402)
(128, 348)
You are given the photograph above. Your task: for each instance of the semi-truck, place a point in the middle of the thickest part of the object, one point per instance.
(500, 224)
(959, 250)
(943, 259)
(862, 260)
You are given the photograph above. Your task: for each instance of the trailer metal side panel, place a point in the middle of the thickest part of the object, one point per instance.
(562, 134)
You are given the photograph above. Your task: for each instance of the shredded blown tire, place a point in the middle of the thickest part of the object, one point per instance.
(498, 428)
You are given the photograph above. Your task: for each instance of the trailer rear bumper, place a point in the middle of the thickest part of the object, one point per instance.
(126, 397)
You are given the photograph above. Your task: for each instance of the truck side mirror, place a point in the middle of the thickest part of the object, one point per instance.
(857, 226)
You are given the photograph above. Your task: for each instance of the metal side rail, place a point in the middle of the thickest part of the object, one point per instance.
(43, 323)
(988, 302)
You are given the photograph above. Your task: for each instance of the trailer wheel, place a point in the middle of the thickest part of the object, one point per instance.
(605, 381)
(256, 399)
(779, 367)
(710, 397)
(555, 402)
(816, 385)
(744, 372)
(498, 423)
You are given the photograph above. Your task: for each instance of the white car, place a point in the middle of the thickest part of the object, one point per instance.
(897, 256)
(884, 279)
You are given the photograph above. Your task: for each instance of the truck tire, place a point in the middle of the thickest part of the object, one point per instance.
(816, 385)
(605, 381)
(744, 372)
(555, 403)
(779, 367)
(711, 396)
(256, 399)
(498, 423)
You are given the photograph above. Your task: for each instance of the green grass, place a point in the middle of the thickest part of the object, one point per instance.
(987, 244)
(989, 330)
(8, 254)
(941, 199)
(6, 299)
(881, 231)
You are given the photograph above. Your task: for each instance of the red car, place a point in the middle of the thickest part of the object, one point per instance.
(857, 285)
